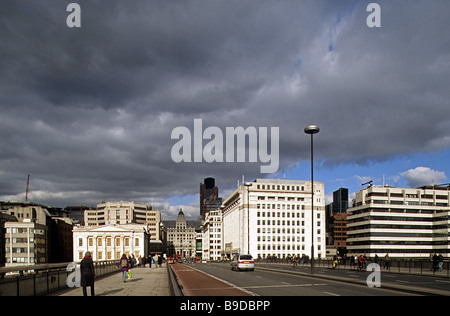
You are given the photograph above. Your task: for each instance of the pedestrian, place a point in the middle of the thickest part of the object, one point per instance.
(376, 259)
(160, 261)
(124, 265)
(387, 262)
(440, 261)
(435, 262)
(87, 273)
(149, 260)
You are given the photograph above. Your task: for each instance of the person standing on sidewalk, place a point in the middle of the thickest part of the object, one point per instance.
(87, 273)
(124, 265)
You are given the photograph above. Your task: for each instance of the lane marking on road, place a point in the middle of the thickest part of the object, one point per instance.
(333, 294)
(281, 285)
(442, 281)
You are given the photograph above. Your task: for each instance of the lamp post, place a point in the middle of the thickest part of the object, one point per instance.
(312, 129)
(248, 185)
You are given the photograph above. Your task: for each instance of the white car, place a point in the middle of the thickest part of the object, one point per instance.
(243, 262)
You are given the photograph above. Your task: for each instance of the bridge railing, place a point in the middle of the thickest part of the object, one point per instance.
(42, 279)
(410, 266)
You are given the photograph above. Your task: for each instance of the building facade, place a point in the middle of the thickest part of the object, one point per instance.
(209, 196)
(182, 237)
(336, 222)
(110, 242)
(212, 230)
(269, 217)
(123, 213)
(211, 214)
(403, 222)
(26, 243)
(34, 222)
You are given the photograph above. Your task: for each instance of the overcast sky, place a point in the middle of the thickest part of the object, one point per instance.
(88, 112)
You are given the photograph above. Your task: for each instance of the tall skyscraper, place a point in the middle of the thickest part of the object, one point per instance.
(209, 196)
(340, 201)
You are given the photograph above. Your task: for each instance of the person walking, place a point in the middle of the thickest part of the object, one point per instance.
(87, 273)
(124, 265)
(155, 260)
(435, 259)
(387, 262)
(160, 260)
(440, 262)
(150, 259)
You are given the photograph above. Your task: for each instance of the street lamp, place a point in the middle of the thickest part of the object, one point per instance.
(312, 129)
(248, 185)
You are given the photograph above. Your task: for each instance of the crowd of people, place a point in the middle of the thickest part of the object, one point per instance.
(125, 264)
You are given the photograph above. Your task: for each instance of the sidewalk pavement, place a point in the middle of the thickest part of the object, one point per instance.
(144, 282)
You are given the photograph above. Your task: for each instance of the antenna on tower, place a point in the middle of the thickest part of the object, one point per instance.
(369, 183)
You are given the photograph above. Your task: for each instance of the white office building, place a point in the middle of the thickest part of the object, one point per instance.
(403, 222)
(273, 218)
(212, 243)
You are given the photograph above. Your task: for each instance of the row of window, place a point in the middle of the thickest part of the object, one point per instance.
(20, 260)
(19, 250)
(282, 223)
(284, 239)
(288, 207)
(126, 241)
(285, 247)
(16, 240)
(398, 210)
(410, 196)
(109, 255)
(282, 214)
(18, 230)
(281, 198)
(278, 231)
(390, 226)
(280, 187)
(406, 203)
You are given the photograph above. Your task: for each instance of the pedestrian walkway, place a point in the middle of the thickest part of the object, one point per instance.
(144, 282)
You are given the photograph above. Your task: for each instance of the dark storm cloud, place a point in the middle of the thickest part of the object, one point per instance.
(89, 112)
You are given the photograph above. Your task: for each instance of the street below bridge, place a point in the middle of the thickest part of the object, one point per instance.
(278, 280)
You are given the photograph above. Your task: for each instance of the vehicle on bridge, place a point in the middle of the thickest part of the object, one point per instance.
(243, 262)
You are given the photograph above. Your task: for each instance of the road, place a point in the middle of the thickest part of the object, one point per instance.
(431, 285)
(270, 283)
